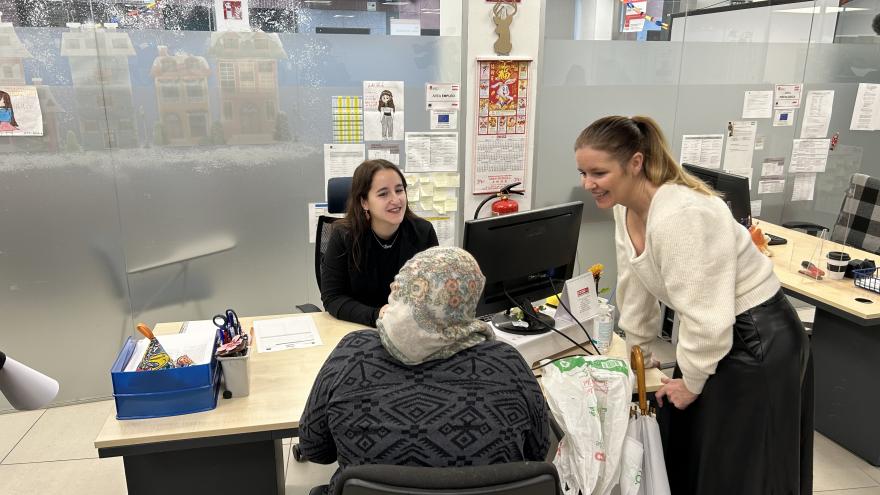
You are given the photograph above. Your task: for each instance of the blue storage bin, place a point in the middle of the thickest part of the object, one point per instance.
(153, 394)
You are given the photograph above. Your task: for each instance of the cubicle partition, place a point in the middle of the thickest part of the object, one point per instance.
(692, 79)
(174, 179)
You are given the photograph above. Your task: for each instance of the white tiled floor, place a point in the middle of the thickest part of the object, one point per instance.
(50, 452)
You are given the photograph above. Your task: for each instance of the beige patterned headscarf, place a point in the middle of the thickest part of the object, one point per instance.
(431, 308)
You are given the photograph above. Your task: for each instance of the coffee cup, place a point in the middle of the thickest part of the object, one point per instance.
(837, 262)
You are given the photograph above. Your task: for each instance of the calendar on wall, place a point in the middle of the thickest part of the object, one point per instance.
(501, 143)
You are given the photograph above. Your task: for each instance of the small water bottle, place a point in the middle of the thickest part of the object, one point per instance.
(604, 326)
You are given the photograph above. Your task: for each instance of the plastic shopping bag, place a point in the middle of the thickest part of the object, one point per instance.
(589, 397)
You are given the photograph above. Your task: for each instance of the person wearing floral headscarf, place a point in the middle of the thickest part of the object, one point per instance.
(431, 387)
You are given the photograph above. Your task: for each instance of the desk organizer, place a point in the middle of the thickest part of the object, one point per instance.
(153, 394)
(866, 278)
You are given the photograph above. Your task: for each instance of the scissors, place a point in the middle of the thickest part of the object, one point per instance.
(228, 325)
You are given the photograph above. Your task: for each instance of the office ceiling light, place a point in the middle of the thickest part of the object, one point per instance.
(321, 2)
(341, 15)
(818, 10)
(395, 3)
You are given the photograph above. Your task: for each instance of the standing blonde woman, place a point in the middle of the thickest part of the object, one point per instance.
(739, 406)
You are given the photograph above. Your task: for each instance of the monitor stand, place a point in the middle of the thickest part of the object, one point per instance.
(533, 322)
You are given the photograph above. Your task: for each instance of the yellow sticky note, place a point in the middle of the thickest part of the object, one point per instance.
(439, 180)
(427, 188)
(426, 204)
(453, 180)
(439, 194)
(412, 194)
(440, 206)
(452, 204)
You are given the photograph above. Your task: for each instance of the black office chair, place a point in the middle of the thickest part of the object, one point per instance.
(514, 478)
(338, 190)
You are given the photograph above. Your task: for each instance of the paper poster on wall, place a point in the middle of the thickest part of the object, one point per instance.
(634, 17)
(431, 151)
(740, 144)
(444, 120)
(383, 110)
(804, 186)
(390, 152)
(232, 15)
(316, 210)
(340, 160)
(771, 186)
(809, 155)
(759, 142)
(773, 167)
(501, 143)
(757, 105)
(783, 118)
(817, 114)
(20, 113)
(444, 226)
(787, 96)
(703, 150)
(442, 96)
(756, 208)
(348, 119)
(866, 112)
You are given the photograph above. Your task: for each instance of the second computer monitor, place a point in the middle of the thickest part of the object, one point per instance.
(520, 253)
(734, 190)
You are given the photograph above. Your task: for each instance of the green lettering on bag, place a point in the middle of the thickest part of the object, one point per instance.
(608, 364)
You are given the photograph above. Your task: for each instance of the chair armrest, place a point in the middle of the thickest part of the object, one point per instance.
(808, 227)
(308, 308)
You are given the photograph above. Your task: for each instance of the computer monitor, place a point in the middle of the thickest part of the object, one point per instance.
(734, 190)
(519, 254)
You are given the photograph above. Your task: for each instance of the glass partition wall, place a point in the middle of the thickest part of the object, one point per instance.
(177, 163)
(688, 65)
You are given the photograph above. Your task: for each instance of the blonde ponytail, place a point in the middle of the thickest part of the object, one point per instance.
(622, 137)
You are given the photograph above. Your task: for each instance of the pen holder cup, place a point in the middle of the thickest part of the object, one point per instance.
(235, 373)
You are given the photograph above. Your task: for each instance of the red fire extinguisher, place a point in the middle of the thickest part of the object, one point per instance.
(504, 205)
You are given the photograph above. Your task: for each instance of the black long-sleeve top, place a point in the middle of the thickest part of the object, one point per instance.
(356, 295)
(481, 406)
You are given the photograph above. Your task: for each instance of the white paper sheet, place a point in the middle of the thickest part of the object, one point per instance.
(740, 144)
(788, 96)
(444, 226)
(804, 186)
(340, 160)
(442, 96)
(444, 120)
(866, 112)
(431, 151)
(23, 116)
(773, 167)
(817, 114)
(809, 155)
(757, 105)
(756, 208)
(771, 186)
(316, 210)
(292, 332)
(703, 150)
(383, 110)
(783, 118)
(390, 152)
(579, 296)
(759, 142)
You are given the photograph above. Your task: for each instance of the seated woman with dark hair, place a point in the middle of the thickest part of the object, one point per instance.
(432, 387)
(366, 249)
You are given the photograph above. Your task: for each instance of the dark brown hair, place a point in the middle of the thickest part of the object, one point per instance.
(355, 217)
(390, 99)
(623, 137)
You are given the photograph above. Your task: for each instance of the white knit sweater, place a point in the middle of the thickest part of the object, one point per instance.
(701, 263)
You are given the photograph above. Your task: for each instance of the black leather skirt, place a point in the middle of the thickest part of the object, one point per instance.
(750, 432)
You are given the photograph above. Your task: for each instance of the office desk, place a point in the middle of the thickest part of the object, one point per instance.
(846, 342)
(235, 448)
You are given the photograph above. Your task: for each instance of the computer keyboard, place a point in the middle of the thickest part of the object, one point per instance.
(775, 240)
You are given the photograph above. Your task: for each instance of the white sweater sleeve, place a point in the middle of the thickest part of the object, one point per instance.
(639, 310)
(696, 252)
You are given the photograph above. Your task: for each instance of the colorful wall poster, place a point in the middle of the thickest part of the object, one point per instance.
(383, 110)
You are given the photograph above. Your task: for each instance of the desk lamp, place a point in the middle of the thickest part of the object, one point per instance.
(24, 387)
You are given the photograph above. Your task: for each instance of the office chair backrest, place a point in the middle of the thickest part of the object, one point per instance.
(322, 238)
(515, 478)
(858, 224)
(338, 190)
